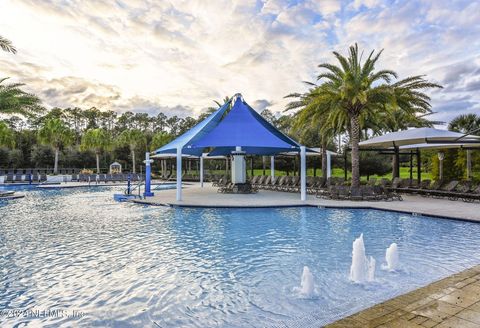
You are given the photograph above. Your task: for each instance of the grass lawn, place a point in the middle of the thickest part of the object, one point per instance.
(336, 172)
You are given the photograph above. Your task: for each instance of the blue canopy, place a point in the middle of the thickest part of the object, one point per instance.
(194, 133)
(242, 126)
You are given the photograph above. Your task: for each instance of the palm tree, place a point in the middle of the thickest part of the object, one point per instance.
(14, 100)
(133, 139)
(6, 45)
(353, 91)
(466, 123)
(160, 139)
(57, 134)
(97, 140)
(7, 137)
(310, 117)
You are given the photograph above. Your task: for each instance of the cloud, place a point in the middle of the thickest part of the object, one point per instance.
(261, 104)
(179, 56)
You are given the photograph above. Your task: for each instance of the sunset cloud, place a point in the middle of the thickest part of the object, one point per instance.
(178, 56)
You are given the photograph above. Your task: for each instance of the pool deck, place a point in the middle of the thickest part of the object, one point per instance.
(194, 196)
(451, 302)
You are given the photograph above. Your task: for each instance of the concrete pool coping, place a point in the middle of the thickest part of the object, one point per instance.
(450, 302)
(195, 196)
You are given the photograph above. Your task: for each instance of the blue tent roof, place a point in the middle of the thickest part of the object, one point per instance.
(242, 126)
(194, 133)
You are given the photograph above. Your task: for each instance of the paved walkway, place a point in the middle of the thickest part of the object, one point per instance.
(453, 302)
(193, 195)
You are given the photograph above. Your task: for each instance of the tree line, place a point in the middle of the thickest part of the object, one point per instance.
(350, 101)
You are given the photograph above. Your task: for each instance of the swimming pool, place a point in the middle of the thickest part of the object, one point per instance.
(118, 264)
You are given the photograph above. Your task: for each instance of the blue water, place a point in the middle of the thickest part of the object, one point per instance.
(123, 265)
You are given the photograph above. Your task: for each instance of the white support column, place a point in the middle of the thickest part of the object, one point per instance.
(179, 174)
(272, 166)
(201, 171)
(303, 173)
(329, 164)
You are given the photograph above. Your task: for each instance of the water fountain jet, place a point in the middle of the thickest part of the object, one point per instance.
(363, 268)
(307, 286)
(392, 258)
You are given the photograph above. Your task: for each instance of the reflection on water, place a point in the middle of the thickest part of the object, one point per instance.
(127, 265)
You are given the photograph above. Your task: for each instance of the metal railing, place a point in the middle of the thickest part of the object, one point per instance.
(130, 191)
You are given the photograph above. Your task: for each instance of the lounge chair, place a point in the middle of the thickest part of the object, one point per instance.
(294, 185)
(385, 183)
(216, 182)
(74, 177)
(396, 183)
(380, 193)
(9, 178)
(43, 177)
(34, 177)
(368, 193)
(254, 179)
(261, 179)
(227, 188)
(312, 184)
(339, 181)
(270, 185)
(356, 193)
(371, 182)
(92, 178)
(288, 183)
(471, 196)
(416, 188)
(339, 192)
(18, 177)
(444, 191)
(266, 182)
(102, 178)
(280, 183)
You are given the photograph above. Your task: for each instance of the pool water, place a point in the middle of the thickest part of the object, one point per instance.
(123, 265)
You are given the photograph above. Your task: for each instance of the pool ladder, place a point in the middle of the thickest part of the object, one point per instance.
(138, 186)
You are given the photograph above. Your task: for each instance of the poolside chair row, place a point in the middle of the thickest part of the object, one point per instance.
(27, 178)
(366, 193)
(452, 190)
(37, 171)
(231, 188)
(98, 178)
(292, 183)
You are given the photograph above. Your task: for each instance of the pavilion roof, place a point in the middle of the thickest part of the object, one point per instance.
(242, 127)
(418, 136)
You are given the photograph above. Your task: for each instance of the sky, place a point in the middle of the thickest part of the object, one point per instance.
(178, 56)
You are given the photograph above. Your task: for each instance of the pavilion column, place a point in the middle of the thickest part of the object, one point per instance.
(179, 173)
(419, 167)
(329, 164)
(251, 166)
(201, 171)
(303, 173)
(272, 166)
(396, 165)
(469, 164)
(411, 165)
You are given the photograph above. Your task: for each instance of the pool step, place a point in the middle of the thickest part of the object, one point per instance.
(125, 198)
